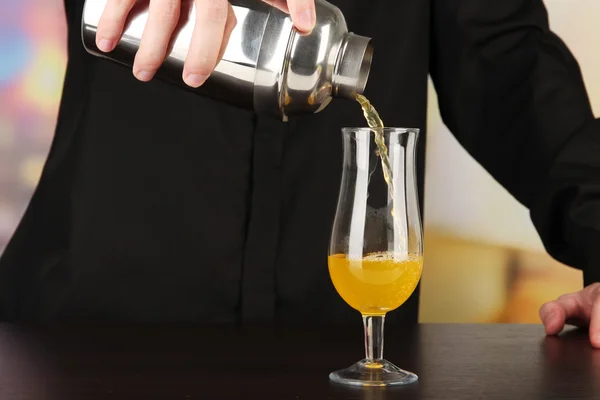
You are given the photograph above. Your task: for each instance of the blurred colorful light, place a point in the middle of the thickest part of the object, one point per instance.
(7, 132)
(42, 83)
(16, 51)
(31, 170)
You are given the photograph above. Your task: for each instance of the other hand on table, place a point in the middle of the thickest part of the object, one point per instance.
(581, 309)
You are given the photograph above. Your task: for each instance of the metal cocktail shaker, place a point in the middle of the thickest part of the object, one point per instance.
(267, 66)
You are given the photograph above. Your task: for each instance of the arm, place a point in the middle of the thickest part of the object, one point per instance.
(512, 93)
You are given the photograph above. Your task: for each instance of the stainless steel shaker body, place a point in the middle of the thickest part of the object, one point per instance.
(267, 66)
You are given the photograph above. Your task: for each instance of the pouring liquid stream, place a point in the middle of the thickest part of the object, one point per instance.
(376, 124)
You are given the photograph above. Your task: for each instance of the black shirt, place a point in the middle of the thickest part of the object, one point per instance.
(157, 205)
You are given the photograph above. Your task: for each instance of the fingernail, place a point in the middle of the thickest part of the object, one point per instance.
(105, 45)
(544, 311)
(306, 19)
(143, 75)
(544, 315)
(596, 337)
(195, 80)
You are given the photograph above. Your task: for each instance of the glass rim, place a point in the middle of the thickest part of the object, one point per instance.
(384, 129)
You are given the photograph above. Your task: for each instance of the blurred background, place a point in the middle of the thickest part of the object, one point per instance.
(32, 66)
(484, 260)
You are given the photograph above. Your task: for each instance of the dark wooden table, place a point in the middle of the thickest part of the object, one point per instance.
(458, 362)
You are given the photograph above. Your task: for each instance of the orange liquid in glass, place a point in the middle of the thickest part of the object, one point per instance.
(377, 283)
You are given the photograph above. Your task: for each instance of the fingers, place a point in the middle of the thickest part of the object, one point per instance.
(207, 38)
(163, 17)
(229, 26)
(303, 14)
(595, 323)
(567, 308)
(112, 21)
(553, 317)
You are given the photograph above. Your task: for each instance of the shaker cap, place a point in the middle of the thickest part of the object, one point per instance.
(353, 66)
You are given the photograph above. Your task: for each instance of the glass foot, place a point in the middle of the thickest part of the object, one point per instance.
(374, 373)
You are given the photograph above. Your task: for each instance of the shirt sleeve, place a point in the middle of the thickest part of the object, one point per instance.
(512, 93)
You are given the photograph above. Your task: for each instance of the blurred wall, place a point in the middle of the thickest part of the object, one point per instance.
(484, 261)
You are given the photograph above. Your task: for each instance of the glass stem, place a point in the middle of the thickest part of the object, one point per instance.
(373, 337)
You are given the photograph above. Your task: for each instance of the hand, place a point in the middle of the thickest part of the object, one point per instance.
(215, 20)
(580, 309)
